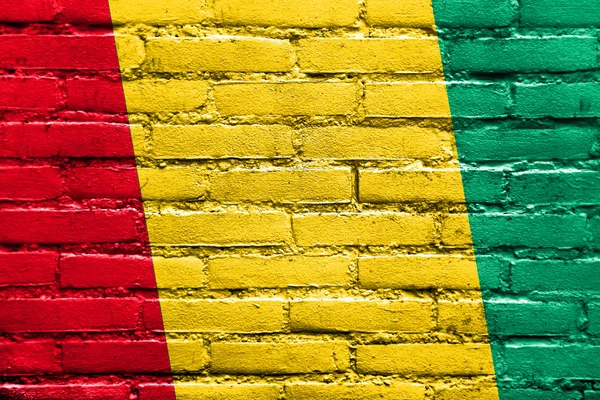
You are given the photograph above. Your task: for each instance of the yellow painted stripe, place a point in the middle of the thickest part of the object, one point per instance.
(424, 97)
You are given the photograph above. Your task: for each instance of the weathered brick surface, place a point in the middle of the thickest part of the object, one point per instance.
(356, 315)
(76, 275)
(280, 358)
(195, 391)
(365, 391)
(238, 54)
(282, 200)
(247, 315)
(424, 359)
(236, 272)
(288, 13)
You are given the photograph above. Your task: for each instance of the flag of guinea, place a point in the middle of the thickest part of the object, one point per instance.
(299, 199)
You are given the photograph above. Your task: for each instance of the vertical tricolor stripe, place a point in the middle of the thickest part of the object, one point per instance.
(427, 97)
(63, 106)
(525, 118)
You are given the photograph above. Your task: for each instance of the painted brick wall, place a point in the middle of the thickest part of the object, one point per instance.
(78, 290)
(266, 200)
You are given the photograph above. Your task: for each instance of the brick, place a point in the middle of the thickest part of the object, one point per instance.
(48, 226)
(408, 55)
(474, 13)
(230, 315)
(85, 12)
(188, 355)
(593, 311)
(95, 95)
(425, 359)
(32, 357)
(485, 393)
(538, 230)
(106, 271)
(286, 98)
(69, 314)
(560, 361)
(463, 316)
(555, 275)
(456, 230)
(407, 100)
(288, 13)
(561, 142)
(156, 391)
(165, 95)
(590, 395)
(540, 394)
(219, 229)
(279, 358)
(410, 14)
(152, 317)
(222, 141)
(515, 318)
(491, 270)
(278, 272)
(177, 184)
(418, 272)
(564, 100)
(398, 186)
(523, 54)
(333, 185)
(182, 272)
(23, 12)
(363, 391)
(101, 182)
(486, 185)
(557, 186)
(115, 357)
(28, 268)
(222, 391)
(479, 100)
(221, 54)
(64, 52)
(30, 183)
(29, 93)
(353, 229)
(358, 315)
(366, 143)
(151, 12)
(594, 227)
(131, 51)
(481, 392)
(72, 139)
(560, 13)
(67, 391)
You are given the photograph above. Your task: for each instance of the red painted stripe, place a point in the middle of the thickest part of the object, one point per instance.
(78, 297)
(68, 52)
(105, 391)
(65, 139)
(29, 93)
(28, 268)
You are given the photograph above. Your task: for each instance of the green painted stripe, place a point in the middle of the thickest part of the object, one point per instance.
(525, 113)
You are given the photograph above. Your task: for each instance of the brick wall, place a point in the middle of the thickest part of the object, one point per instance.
(78, 290)
(290, 222)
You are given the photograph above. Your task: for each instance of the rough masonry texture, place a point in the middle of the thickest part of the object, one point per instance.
(299, 199)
